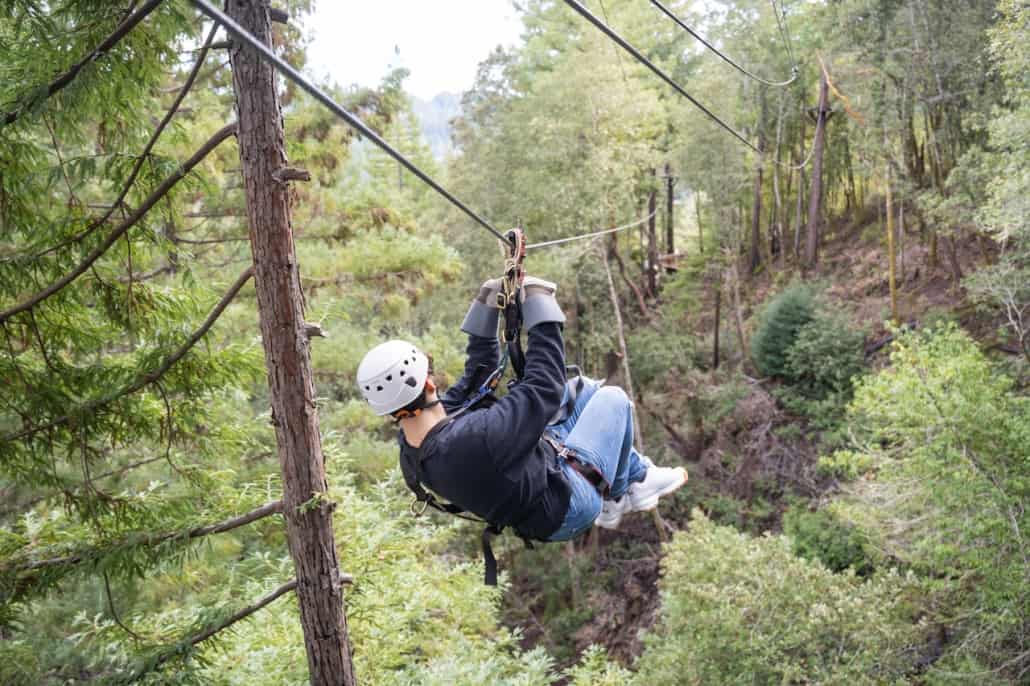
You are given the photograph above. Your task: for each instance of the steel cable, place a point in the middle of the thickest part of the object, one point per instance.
(318, 94)
(595, 234)
(779, 84)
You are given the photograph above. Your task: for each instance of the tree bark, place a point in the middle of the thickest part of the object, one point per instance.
(816, 192)
(718, 317)
(652, 241)
(700, 230)
(307, 510)
(756, 203)
(776, 227)
(670, 239)
(613, 251)
(891, 269)
(620, 330)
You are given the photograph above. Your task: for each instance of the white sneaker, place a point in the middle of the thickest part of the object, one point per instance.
(612, 511)
(658, 481)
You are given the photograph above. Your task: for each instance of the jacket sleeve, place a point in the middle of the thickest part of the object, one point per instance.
(516, 422)
(480, 352)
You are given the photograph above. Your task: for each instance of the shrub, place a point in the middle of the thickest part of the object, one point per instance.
(822, 536)
(825, 357)
(744, 610)
(656, 355)
(778, 328)
(948, 435)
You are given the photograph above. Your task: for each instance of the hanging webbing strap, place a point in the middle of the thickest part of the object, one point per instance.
(509, 301)
(489, 561)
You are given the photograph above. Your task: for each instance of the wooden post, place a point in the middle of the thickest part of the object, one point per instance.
(652, 239)
(306, 507)
(816, 193)
(670, 238)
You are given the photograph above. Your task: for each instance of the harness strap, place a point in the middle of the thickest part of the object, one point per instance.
(588, 471)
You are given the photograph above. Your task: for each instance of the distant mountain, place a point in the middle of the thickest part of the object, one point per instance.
(434, 117)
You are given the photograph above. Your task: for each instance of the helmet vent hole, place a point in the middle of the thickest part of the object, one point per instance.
(405, 361)
(402, 372)
(368, 388)
(389, 378)
(379, 388)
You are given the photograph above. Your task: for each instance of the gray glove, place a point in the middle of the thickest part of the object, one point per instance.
(539, 304)
(481, 319)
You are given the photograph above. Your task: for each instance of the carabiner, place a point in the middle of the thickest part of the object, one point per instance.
(415, 510)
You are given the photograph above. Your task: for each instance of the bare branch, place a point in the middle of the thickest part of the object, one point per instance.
(291, 174)
(130, 221)
(67, 77)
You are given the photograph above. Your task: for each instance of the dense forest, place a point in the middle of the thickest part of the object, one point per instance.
(820, 306)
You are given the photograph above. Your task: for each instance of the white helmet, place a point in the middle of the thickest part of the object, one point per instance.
(391, 375)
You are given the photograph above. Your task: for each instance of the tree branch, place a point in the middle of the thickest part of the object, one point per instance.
(265, 510)
(130, 221)
(243, 613)
(67, 77)
(146, 150)
(153, 375)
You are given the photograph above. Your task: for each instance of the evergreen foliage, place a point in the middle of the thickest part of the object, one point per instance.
(744, 610)
(952, 479)
(778, 329)
(821, 536)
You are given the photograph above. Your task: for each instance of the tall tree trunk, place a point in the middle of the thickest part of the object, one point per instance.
(776, 226)
(718, 317)
(613, 251)
(891, 280)
(639, 439)
(700, 231)
(308, 513)
(733, 279)
(670, 239)
(755, 258)
(815, 195)
(652, 239)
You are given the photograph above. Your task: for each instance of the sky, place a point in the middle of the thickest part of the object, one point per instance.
(441, 43)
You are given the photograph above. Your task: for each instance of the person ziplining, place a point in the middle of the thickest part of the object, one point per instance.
(550, 459)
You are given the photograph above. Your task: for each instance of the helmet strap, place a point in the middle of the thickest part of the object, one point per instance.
(407, 414)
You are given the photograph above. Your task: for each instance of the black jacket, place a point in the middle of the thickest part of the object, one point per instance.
(492, 461)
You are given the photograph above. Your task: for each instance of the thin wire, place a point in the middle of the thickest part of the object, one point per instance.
(314, 91)
(586, 14)
(742, 70)
(595, 234)
(608, 31)
(781, 20)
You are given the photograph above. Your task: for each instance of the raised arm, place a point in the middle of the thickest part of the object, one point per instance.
(482, 351)
(516, 422)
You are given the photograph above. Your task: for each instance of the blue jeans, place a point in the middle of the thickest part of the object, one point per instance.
(600, 431)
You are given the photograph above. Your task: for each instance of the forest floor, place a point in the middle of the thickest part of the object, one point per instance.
(748, 464)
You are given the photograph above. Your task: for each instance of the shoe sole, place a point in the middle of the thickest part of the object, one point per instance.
(652, 501)
(608, 524)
